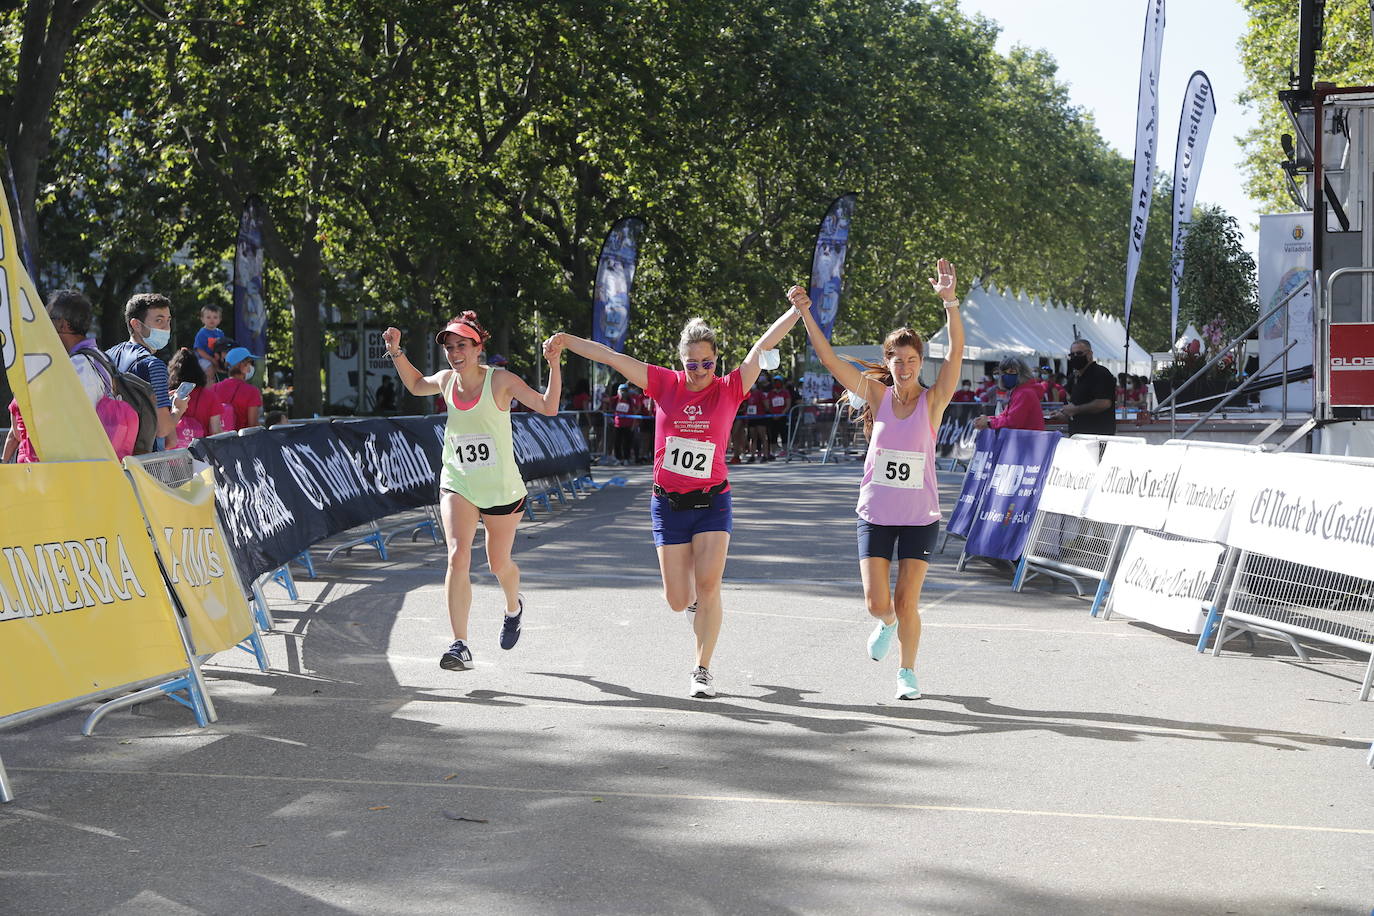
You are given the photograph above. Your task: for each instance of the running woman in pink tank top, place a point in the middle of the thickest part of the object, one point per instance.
(691, 506)
(899, 499)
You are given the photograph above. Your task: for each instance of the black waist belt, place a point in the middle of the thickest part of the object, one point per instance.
(708, 491)
(692, 499)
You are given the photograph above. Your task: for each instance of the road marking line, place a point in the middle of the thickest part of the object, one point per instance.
(726, 799)
(49, 819)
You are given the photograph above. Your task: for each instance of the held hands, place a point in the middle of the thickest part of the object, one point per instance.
(799, 299)
(392, 338)
(944, 282)
(553, 349)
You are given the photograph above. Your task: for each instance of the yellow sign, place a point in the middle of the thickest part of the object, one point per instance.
(82, 604)
(60, 420)
(187, 537)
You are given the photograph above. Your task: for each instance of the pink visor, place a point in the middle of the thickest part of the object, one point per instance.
(461, 329)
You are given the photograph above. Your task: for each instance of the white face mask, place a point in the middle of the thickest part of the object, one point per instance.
(248, 373)
(156, 338)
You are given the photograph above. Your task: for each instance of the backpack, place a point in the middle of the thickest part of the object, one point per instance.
(134, 393)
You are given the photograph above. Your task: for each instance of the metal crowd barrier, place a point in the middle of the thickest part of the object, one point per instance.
(1280, 599)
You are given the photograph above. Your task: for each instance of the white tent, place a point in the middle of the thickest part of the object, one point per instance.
(998, 325)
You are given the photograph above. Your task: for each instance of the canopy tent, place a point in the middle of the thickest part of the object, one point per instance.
(998, 325)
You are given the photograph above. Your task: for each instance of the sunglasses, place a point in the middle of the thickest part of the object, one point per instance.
(693, 365)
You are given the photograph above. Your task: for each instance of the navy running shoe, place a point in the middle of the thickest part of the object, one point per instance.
(457, 657)
(510, 626)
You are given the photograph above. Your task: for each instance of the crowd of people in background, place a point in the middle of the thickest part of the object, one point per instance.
(203, 391)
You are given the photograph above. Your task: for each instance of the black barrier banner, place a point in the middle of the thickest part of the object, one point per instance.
(282, 490)
(956, 437)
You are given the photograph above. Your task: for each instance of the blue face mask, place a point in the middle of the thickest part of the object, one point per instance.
(1009, 381)
(156, 338)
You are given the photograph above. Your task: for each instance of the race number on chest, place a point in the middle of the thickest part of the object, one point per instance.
(474, 450)
(689, 457)
(895, 468)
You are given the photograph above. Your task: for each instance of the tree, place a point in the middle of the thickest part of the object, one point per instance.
(1218, 274)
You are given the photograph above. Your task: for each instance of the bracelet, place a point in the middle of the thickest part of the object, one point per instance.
(392, 356)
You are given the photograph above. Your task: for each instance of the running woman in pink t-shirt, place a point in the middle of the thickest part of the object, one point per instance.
(899, 498)
(691, 505)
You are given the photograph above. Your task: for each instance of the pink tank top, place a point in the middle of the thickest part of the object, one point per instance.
(899, 485)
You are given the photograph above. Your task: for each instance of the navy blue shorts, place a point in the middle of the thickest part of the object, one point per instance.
(678, 527)
(912, 542)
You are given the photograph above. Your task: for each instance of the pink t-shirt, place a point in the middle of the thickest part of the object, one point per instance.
(685, 417)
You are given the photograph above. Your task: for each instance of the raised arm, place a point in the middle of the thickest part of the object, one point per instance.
(415, 381)
(947, 382)
(509, 385)
(749, 369)
(635, 372)
(845, 372)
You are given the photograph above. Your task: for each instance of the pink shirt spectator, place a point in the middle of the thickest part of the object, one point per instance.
(704, 416)
(239, 395)
(1024, 410)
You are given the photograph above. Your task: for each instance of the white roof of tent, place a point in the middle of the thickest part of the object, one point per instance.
(998, 325)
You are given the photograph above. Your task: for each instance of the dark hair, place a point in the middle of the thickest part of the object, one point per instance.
(184, 367)
(469, 318)
(212, 307)
(71, 306)
(136, 309)
(278, 416)
(878, 372)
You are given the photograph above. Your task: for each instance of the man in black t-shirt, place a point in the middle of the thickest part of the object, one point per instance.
(1092, 395)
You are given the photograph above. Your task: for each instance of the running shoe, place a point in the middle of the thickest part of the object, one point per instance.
(457, 658)
(880, 640)
(701, 684)
(692, 608)
(510, 624)
(906, 685)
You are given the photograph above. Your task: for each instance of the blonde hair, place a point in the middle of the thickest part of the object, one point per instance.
(695, 331)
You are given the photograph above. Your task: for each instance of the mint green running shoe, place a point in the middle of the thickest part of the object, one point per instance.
(880, 640)
(906, 685)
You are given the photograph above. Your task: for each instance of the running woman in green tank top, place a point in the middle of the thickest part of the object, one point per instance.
(479, 479)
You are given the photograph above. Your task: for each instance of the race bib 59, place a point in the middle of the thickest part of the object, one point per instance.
(903, 470)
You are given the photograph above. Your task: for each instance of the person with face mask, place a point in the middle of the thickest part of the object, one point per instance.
(1092, 395)
(1054, 392)
(149, 317)
(965, 393)
(243, 398)
(1023, 407)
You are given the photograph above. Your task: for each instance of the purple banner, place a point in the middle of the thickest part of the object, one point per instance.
(827, 263)
(979, 470)
(1007, 506)
(615, 277)
(250, 307)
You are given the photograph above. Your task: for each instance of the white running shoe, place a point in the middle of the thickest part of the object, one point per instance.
(906, 685)
(701, 684)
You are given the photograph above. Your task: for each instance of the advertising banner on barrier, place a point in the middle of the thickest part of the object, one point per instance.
(186, 536)
(1134, 484)
(979, 470)
(957, 435)
(1005, 512)
(1204, 493)
(82, 604)
(1320, 513)
(1165, 582)
(1072, 475)
(285, 489)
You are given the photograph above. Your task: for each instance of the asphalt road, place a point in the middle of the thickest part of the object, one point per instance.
(1057, 764)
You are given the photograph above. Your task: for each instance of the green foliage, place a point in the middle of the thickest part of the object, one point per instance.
(418, 161)
(1269, 53)
(1218, 285)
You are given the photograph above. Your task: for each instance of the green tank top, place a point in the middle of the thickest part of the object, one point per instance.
(479, 458)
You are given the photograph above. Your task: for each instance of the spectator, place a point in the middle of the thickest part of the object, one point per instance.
(386, 396)
(1054, 392)
(204, 415)
(964, 395)
(779, 402)
(209, 332)
(756, 416)
(149, 318)
(243, 398)
(624, 405)
(1023, 406)
(581, 397)
(276, 418)
(1092, 395)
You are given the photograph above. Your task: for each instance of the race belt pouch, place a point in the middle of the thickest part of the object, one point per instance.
(692, 499)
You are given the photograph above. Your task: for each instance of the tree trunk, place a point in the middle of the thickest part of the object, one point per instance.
(305, 279)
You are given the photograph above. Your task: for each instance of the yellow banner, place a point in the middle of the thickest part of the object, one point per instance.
(82, 604)
(187, 537)
(60, 420)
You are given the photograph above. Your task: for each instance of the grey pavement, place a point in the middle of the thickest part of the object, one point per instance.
(1057, 764)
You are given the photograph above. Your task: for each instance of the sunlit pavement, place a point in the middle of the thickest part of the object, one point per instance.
(1058, 763)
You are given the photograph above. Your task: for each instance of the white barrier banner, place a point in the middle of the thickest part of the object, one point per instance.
(1206, 493)
(1164, 582)
(1319, 513)
(1134, 484)
(1072, 473)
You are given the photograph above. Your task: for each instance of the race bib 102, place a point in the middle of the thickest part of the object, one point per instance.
(689, 457)
(903, 470)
